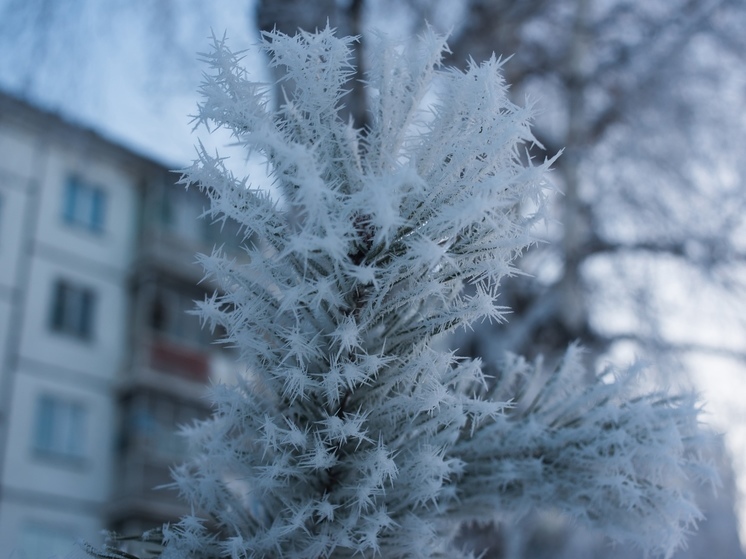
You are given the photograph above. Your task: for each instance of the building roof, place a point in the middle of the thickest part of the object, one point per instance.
(26, 113)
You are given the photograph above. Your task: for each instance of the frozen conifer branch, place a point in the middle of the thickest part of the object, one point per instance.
(351, 435)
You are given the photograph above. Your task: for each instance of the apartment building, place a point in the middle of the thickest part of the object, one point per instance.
(99, 361)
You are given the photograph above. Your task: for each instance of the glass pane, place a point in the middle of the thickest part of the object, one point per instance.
(60, 427)
(58, 306)
(42, 541)
(84, 204)
(73, 436)
(98, 209)
(73, 310)
(84, 327)
(70, 201)
(44, 428)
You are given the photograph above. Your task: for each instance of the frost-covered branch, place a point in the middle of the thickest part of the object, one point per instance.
(352, 435)
(602, 452)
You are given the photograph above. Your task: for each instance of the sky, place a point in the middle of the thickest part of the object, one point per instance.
(109, 75)
(111, 81)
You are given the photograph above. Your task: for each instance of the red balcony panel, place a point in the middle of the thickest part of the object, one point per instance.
(179, 360)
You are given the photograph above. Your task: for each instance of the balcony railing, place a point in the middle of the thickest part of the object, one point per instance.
(138, 492)
(180, 360)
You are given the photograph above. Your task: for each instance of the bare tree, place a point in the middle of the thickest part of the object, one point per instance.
(641, 98)
(644, 90)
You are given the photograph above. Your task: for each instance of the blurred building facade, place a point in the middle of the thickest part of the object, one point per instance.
(99, 361)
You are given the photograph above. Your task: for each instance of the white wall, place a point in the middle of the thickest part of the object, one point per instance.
(12, 204)
(68, 496)
(86, 480)
(98, 358)
(16, 156)
(113, 247)
(67, 525)
(13, 194)
(17, 149)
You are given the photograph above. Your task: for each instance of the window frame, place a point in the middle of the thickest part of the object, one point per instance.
(73, 309)
(60, 428)
(151, 424)
(172, 316)
(84, 205)
(36, 539)
(183, 215)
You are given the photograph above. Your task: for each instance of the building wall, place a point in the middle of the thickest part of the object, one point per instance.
(58, 388)
(98, 362)
(16, 149)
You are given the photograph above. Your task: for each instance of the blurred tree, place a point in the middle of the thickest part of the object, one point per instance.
(646, 89)
(288, 16)
(645, 98)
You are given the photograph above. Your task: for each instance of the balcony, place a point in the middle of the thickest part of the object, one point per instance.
(179, 360)
(149, 446)
(175, 228)
(136, 497)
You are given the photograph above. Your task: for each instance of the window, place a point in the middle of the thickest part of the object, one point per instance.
(181, 212)
(182, 215)
(152, 425)
(172, 315)
(84, 205)
(43, 541)
(72, 310)
(60, 426)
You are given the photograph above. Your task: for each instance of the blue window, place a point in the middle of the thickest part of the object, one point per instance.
(42, 540)
(73, 310)
(60, 428)
(84, 205)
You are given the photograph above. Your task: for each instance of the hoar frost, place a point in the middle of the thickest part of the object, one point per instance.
(351, 435)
